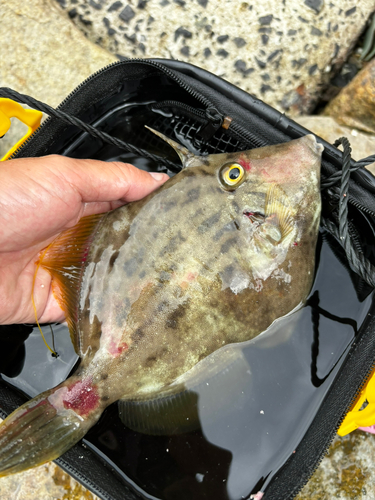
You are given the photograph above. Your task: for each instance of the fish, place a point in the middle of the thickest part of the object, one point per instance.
(154, 288)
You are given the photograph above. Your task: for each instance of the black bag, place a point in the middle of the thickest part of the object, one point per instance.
(334, 350)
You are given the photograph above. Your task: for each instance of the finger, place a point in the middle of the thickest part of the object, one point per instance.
(98, 181)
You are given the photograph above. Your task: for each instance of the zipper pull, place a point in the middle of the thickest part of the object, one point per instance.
(215, 121)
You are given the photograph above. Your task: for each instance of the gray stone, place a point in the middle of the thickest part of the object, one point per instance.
(354, 106)
(43, 54)
(320, 32)
(327, 128)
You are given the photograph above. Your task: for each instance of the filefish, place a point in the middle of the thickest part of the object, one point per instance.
(152, 289)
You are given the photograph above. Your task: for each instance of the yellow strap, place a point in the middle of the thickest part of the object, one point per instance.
(361, 418)
(11, 109)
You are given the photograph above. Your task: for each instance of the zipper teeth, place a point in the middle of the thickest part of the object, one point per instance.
(361, 207)
(180, 105)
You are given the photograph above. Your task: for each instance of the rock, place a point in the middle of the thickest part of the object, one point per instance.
(43, 54)
(293, 46)
(347, 472)
(354, 106)
(43, 483)
(327, 128)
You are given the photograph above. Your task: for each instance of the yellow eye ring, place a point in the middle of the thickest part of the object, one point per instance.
(233, 174)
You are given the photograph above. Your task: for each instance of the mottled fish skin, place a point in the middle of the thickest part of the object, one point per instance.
(173, 277)
(192, 267)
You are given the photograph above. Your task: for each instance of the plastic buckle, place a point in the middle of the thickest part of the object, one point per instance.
(11, 109)
(358, 417)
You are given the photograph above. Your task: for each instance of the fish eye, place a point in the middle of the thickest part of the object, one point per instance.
(232, 175)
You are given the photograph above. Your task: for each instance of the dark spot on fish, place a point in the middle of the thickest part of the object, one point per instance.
(192, 195)
(166, 206)
(142, 274)
(235, 206)
(138, 334)
(236, 224)
(198, 213)
(226, 246)
(98, 254)
(150, 360)
(208, 223)
(227, 273)
(202, 171)
(173, 244)
(104, 398)
(162, 306)
(174, 317)
(225, 229)
(113, 258)
(130, 267)
(164, 277)
(104, 376)
(189, 172)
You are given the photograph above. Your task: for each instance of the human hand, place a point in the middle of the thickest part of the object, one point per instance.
(39, 198)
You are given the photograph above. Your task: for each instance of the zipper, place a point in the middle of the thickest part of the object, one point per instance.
(216, 119)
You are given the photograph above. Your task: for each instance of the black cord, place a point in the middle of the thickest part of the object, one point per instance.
(357, 262)
(89, 129)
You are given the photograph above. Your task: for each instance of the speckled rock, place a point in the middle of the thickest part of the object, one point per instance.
(43, 54)
(355, 104)
(347, 472)
(47, 482)
(283, 52)
(327, 128)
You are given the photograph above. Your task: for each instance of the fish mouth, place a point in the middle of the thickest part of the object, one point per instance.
(254, 216)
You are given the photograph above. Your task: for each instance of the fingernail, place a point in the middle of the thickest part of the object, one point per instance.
(158, 176)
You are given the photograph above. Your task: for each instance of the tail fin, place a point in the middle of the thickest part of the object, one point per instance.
(38, 432)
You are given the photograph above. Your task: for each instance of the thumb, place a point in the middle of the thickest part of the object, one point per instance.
(99, 181)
